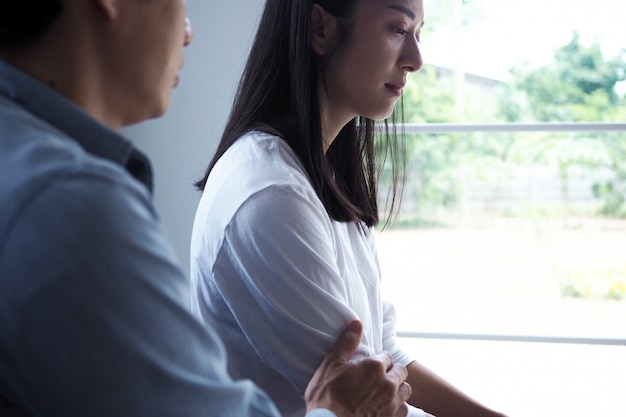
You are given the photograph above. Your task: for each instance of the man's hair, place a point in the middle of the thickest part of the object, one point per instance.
(23, 22)
(279, 83)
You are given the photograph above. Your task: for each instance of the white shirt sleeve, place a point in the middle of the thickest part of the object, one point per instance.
(415, 412)
(288, 286)
(390, 340)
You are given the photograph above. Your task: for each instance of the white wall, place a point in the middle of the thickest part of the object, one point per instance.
(181, 143)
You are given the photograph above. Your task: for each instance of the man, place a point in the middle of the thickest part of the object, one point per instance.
(93, 317)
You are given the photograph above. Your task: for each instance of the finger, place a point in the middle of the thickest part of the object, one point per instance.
(347, 343)
(397, 374)
(405, 391)
(385, 358)
(403, 411)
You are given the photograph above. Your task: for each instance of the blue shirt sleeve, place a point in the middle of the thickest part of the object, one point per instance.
(93, 317)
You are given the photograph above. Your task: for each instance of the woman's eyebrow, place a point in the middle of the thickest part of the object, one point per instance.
(404, 10)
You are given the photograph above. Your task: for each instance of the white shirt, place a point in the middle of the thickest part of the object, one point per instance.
(276, 277)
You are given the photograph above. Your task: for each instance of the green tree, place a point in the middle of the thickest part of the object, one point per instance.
(579, 85)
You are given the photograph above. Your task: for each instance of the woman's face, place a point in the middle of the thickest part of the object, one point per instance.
(366, 76)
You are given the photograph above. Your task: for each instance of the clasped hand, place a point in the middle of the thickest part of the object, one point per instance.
(370, 387)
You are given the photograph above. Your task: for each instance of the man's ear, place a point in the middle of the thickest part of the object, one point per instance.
(323, 30)
(110, 8)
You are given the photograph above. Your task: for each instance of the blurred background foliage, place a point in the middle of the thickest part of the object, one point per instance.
(463, 179)
(579, 85)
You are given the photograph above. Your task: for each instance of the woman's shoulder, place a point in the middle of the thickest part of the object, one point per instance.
(260, 155)
(257, 161)
(259, 175)
(263, 145)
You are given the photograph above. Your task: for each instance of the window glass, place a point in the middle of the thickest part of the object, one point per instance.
(506, 262)
(511, 233)
(514, 232)
(520, 61)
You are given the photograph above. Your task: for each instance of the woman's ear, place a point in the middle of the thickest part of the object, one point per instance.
(323, 30)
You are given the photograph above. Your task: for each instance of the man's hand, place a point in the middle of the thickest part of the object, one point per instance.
(371, 387)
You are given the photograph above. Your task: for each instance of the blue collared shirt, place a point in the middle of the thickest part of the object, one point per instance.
(93, 317)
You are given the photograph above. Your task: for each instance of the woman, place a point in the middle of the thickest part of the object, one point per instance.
(282, 249)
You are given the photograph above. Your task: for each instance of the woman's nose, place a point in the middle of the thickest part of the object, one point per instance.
(412, 60)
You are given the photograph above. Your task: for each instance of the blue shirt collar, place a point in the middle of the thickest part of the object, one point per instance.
(97, 139)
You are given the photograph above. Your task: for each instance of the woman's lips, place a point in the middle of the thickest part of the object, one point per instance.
(396, 88)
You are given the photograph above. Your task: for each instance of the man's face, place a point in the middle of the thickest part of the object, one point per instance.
(150, 41)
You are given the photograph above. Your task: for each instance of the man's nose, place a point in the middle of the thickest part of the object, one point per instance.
(188, 32)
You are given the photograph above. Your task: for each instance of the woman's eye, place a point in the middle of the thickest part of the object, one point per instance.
(399, 31)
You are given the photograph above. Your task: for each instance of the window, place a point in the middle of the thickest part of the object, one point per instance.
(506, 263)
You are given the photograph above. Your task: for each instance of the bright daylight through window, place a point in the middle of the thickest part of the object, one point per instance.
(507, 263)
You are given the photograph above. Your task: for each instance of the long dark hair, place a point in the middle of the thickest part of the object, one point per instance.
(278, 90)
